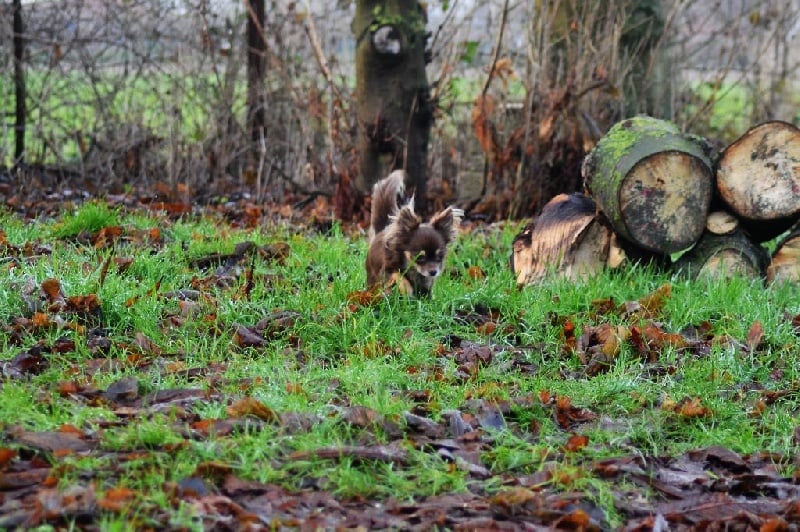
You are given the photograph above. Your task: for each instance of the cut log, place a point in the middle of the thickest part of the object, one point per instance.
(785, 263)
(567, 239)
(724, 256)
(653, 182)
(758, 176)
(721, 223)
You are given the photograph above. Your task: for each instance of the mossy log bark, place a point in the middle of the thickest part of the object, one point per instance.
(567, 239)
(723, 256)
(785, 263)
(653, 182)
(758, 176)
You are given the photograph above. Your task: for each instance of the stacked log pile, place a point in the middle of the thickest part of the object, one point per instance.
(654, 192)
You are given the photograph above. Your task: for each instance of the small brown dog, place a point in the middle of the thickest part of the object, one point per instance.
(403, 249)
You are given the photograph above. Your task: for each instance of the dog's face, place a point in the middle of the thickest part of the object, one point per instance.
(425, 252)
(424, 245)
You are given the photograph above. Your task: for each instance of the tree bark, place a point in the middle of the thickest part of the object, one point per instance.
(723, 256)
(256, 68)
(395, 113)
(19, 84)
(758, 176)
(653, 182)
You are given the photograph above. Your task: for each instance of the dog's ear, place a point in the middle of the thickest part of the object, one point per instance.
(404, 223)
(445, 223)
(407, 220)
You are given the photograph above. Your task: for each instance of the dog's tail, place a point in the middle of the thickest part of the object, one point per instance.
(384, 200)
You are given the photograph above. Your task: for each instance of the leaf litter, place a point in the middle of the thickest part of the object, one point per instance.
(40, 484)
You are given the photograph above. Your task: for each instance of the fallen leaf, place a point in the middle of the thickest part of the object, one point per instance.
(249, 406)
(116, 499)
(576, 442)
(754, 336)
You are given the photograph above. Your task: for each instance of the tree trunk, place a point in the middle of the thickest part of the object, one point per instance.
(567, 239)
(653, 182)
(758, 175)
(723, 256)
(785, 263)
(256, 68)
(395, 113)
(19, 84)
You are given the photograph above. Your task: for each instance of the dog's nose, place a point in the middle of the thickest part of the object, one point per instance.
(433, 272)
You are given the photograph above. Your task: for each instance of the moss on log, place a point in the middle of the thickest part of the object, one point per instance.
(653, 182)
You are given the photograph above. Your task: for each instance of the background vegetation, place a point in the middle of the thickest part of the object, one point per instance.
(153, 91)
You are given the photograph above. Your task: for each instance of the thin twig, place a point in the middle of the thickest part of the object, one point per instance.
(497, 48)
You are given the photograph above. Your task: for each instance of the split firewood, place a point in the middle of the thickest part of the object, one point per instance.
(567, 239)
(785, 263)
(724, 256)
(758, 176)
(652, 182)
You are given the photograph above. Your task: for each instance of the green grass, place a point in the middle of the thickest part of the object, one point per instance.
(67, 107)
(336, 356)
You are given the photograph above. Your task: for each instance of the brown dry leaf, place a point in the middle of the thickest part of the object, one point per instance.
(295, 388)
(6, 455)
(482, 111)
(40, 320)
(116, 499)
(755, 336)
(759, 407)
(655, 301)
(657, 337)
(570, 340)
(513, 498)
(568, 416)
(249, 406)
(51, 441)
(365, 298)
(123, 263)
(691, 407)
(88, 304)
(68, 428)
(106, 236)
(476, 272)
(486, 329)
(124, 389)
(244, 337)
(576, 520)
(146, 345)
(51, 289)
(576, 442)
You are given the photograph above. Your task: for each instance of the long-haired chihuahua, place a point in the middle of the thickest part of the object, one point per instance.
(404, 250)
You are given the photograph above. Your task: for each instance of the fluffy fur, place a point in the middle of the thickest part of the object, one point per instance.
(403, 249)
